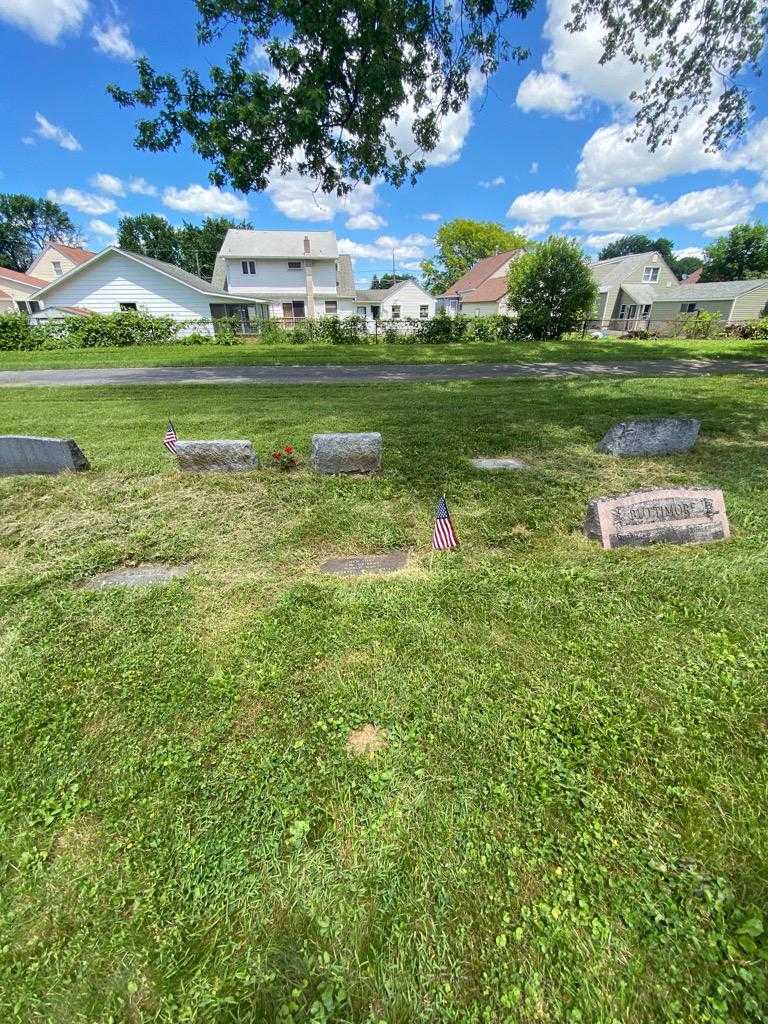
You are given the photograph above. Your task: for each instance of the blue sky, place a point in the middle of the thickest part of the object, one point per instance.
(541, 147)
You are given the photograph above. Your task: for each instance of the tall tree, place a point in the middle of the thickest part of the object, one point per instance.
(26, 224)
(150, 235)
(685, 265)
(742, 253)
(630, 244)
(387, 280)
(198, 246)
(460, 244)
(340, 74)
(551, 289)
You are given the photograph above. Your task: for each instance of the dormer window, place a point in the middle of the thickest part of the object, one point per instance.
(249, 266)
(57, 268)
(294, 264)
(650, 275)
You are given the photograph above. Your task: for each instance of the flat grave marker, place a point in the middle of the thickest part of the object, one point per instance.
(137, 576)
(365, 565)
(490, 465)
(673, 515)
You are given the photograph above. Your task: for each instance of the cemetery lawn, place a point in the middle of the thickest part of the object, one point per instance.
(568, 822)
(256, 354)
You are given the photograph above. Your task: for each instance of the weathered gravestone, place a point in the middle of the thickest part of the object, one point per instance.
(137, 576)
(346, 453)
(675, 515)
(215, 456)
(494, 464)
(361, 565)
(668, 435)
(20, 455)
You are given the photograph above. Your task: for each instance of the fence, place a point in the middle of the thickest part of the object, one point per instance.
(660, 328)
(321, 326)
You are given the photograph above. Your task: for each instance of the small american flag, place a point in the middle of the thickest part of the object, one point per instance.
(444, 536)
(170, 438)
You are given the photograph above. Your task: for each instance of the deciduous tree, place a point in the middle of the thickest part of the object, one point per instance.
(460, 244)
(551, 289)
(742, 253)
(26, 224)
(198, 246)
(150, 235)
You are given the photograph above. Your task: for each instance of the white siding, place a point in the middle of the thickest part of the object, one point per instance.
(18, 289)
(409, 298)
(670, 310)
(485, 308)
(273, 278)
(103, 285)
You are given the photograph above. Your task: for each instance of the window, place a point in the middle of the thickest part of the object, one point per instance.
(57, 268)
(424, 312)
(395, 312)
(28, 306)
(331, 307)
(249, 266)
(645, 312)
(294, 264)
(293, 310)
(688, 307)
(622, 312)
(128, 307)
(650, 274)
(362, 311)
(632, 313)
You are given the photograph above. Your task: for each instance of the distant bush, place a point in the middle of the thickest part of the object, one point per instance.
(702, 324)
(15, 332)
(757, 329)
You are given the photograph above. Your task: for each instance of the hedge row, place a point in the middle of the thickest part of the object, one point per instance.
(440, 330)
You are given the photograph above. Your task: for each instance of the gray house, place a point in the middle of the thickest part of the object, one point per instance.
(735, 301)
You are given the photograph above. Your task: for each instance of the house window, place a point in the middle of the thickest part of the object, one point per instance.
(293, 310)
(362, 311)
(128, 307)
(688, 307)
(645, 312)
(650, 275)
(249, 266)
(57, 268)
(395, 312)
(331, 307)
(424, 312)
(28, 306)
(294, 264)
(622, 312)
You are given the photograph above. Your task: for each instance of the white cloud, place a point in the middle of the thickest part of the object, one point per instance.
(689, 250)
(46, 20)
(112, 39)
(108, 183)
(532, 229)
(28, 140)
(208, 200)
(47, 130)
(571, 71)
(453, 128)
(141, 187)
(600, 241)
(710, 210)
(411, 247)
(85, 202)
(299, 198)
(549, 93)
(100, 227)
(365, 221)
(492, 182)
(431, 216)
(534, 168)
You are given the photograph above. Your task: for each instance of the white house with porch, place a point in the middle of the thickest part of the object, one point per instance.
(297, 273)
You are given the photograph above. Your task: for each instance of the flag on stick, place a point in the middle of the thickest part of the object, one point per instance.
(170, 438)
(444, 536)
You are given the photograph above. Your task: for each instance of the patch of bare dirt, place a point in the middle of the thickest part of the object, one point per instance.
(366, 741)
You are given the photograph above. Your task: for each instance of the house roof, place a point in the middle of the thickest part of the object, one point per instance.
(479, 273)
(492, 290)
(611, 273)
(73, 252)
(686, 292)
(694, 276)
(345, 277)
(248, 244)
(167, 269)
(15, 275)
(4, 295)
(645, 294)
(380, 294)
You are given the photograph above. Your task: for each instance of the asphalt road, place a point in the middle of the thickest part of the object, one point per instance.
(377, 374)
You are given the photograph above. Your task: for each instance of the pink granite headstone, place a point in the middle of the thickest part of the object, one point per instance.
(672, 515)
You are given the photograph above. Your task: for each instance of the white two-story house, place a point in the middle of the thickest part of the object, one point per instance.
(299, 273)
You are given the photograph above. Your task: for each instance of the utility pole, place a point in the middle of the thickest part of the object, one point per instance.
(393, 263)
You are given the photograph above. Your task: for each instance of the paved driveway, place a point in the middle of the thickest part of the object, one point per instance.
(378, 374)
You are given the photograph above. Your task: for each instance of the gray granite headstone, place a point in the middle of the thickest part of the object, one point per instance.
(672, 515)
(493, 464)
(361, 565)
(216, 456)
(20, 455)
(346, 453)
(665, 436)
(137, 576)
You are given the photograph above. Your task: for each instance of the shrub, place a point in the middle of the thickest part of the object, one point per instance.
(15, 331)
(757, 329)
(117, 330)
(702, 324)
(551, 289)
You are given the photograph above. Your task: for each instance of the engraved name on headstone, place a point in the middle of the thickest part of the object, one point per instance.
(675, 515)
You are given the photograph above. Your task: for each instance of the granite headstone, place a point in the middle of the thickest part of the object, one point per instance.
(673, 515)
(495, 464)
(20, 455)
(215, 456)
(670, 435)
(346, 453)
(137, 576)
(362, 565)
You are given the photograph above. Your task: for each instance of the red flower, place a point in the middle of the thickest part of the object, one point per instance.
(288, 450)
(277, 455)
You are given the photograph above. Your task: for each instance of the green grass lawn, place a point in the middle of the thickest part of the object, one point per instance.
(568, 822)
(498, 352)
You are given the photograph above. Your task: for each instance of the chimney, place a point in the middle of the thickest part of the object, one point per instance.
(306, 245)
